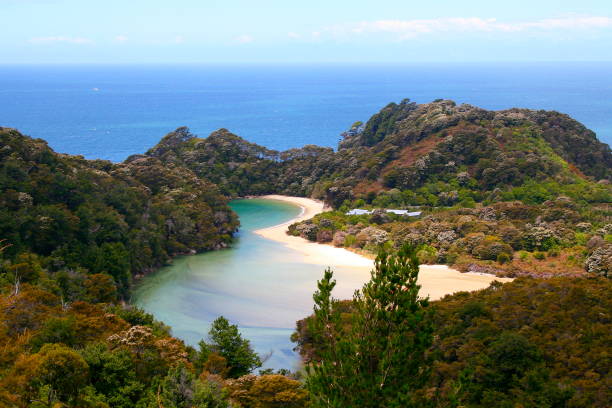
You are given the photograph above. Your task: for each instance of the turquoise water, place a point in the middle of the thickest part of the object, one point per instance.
(258, 284)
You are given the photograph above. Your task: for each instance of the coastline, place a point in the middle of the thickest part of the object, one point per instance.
(436, 280)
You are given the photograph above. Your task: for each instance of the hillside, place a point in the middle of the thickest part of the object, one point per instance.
(405, 146)
(74, 216)
(513, 192)
(529, 343)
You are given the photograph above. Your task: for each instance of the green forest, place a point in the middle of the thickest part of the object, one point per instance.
(515, 193)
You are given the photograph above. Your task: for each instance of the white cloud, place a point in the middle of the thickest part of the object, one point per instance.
(121, 38)
(60, 39)
(404, 29)
(179, 39)
(244, 39)
(293, 35)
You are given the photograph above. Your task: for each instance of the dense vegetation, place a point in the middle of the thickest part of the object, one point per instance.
(557, 237)
(74, 234)
(80, 354)
(77, 217)
(514, 193)
(529, 343)
(510, 192)
(470, 152)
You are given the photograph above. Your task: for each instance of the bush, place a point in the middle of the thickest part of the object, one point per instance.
(503, 258)
(491, 248)
(349, 240)
(427, 255)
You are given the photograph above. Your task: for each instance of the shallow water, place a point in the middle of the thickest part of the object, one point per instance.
(259, 284)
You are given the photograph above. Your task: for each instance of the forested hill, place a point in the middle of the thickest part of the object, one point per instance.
(406, 146)
(73, 216)
(513, 192)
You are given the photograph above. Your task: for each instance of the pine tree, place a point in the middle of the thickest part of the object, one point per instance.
(380, 357)
(229, 344)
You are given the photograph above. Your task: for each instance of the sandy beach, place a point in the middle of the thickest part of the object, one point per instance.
(436, 280)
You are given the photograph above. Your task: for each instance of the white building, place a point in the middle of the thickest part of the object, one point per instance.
(359, 211)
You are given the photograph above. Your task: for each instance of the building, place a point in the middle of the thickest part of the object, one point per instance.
(359, 211)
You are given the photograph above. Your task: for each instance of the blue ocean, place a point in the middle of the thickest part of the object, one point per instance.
(111, 112)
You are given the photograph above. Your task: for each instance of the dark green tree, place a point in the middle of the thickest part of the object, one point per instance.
(380, 358)
(227, 342)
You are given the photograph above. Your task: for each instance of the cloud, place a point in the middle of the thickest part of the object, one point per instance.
(121, 39)
(405, 29)
(244, 39)
(61, 39)
(294, 36)
(179, 39)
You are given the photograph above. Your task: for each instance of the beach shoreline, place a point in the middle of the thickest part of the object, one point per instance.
(436, 280)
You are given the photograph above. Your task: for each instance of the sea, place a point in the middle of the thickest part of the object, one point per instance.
(113, 111)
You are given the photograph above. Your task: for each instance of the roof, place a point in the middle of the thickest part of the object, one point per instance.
(359, 211)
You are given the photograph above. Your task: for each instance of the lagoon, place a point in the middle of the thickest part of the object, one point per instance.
(259, 284)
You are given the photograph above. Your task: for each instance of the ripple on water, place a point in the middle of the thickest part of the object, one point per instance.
(258, 284)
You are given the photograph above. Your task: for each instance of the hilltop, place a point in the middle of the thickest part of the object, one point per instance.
(404, 146)
(512, 192)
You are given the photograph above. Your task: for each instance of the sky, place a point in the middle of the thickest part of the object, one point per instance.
(313, 31)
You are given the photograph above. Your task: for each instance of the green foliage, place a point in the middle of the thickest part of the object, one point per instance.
(525, 343)
(503, 258)
(226, 340)
(427, 254)
(180, 389)
(268, 391)
(380, 359)
(59, 370)
(55, 330)
(70, 214)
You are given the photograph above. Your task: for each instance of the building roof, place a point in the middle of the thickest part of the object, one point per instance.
(359, 211)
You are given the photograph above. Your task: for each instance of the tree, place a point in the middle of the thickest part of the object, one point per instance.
(267, 391)
(114, 259)
(57, 372)
(227, 342)
(100, 288)
(380, 358)
(180, 389)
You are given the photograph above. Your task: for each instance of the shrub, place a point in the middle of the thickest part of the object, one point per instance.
(324, 236)
(427, 254)
(491, 248)
(539, 255)
(350, 240)
(503, 258)
(600, 261)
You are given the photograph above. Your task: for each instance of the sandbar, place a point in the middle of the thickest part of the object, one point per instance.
(436, 280)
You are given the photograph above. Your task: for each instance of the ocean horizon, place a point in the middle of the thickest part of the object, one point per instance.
(112, 111)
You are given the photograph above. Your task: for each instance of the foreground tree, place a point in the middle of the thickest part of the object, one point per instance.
(380, 358)
(227, 342)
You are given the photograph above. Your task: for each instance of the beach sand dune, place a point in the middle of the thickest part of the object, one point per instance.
(436, 280)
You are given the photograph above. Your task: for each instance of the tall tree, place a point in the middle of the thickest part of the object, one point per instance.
(380, 358)
(227, 342)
